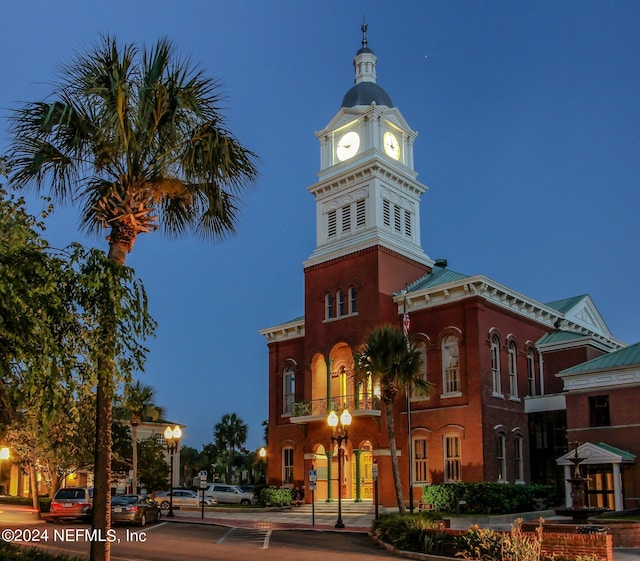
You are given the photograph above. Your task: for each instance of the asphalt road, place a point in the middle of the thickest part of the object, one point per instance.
(171, 541)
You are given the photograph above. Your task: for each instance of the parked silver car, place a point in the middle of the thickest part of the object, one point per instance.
(229, 494)
(182, 497)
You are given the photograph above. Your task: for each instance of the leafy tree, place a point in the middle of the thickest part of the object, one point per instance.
(229, 434)
(136, 406)
(135, 137)
(190, 463)
(394, 365)
(153, 467)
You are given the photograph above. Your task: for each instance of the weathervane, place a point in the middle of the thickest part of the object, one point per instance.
(363, 27)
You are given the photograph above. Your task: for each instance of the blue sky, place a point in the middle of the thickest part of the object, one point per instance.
(528, 116)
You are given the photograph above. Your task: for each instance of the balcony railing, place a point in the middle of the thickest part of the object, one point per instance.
(322, 407)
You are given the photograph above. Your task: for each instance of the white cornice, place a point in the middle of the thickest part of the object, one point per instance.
(502, 296)
(371, 168)
(613, 377)
(291, 330)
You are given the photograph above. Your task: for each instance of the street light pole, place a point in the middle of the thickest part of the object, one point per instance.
(172, 437)
(339, 435)
(263, 454)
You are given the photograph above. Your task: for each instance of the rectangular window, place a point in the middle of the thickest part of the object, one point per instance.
(329, 306)
(420, 460)
(287, 466)
(451, 363)
(346, 218)
(342, 308)
(361, 216)
(452, 459)
(599, 411)
(331, 223)
(495, 365)
(386, 212)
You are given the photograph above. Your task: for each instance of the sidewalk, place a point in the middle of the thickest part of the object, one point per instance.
(280, 519)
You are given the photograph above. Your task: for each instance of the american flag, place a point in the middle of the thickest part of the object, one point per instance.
(406, 322)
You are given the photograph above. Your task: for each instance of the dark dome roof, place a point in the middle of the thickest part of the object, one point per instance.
(365, 93)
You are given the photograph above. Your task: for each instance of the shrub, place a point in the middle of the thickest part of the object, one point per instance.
(412, 532)
(488, 497)
(10, 552)
(276, 496)
(489, 545)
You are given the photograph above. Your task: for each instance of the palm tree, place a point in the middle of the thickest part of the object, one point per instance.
(229, 434)
(394, 366)
(135, 137)
(137, 405)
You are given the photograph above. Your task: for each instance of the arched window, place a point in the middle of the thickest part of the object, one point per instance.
(517, 457)
(288, 389)
(342, 305)
(495, 365)
(452, 458)
(422, 349)
(450, 365)
(287, 466)
(531, 371)
(328, 306)
(420, 459)
(501, 458)
(353, 300)
(513, 370)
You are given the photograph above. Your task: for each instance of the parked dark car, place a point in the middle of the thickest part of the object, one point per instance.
(134, 509)
(71, 502)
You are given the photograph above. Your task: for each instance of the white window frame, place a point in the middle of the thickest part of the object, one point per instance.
(531, 371)
(518, 449)
(287, 465)
(450, 367)
(329, 306)
(353, 300)
(452, 456)
(501, 458)
(420, 459)
(421, 346)
(288, 389)
(496, 383)
(513, 371)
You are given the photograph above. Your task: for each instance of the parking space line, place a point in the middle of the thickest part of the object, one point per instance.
(265, 544)
(226, 534)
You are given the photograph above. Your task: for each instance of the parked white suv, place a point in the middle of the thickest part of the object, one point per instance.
(229, 494)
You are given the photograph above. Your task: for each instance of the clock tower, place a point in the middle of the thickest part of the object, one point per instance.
(367, 193)
(367, 214)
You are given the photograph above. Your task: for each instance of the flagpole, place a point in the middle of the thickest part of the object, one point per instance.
(405, 327)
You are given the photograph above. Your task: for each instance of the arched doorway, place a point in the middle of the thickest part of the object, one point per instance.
(362, 472)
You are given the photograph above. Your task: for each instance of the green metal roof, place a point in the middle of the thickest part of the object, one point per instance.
(565, 304)
(624, 357)
(436, 277)
(628, 456)
(555, 337)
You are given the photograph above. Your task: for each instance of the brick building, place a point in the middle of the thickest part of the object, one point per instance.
(490, 352)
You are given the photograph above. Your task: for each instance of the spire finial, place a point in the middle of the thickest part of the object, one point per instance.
(363, 27)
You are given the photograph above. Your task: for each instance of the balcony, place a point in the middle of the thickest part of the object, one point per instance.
(318, 409)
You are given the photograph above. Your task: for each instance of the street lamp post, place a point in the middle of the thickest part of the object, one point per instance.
(172, 437)
(263, 454)
(339, 434)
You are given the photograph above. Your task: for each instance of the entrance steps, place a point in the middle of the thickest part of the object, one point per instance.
(349, 506)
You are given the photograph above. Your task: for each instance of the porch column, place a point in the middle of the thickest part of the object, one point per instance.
(329, 480)
(357, 453)
(617, 488)
(329, 364)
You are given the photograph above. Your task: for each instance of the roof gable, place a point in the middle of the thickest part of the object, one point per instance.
(582, 311)
(629, 356)
(597, 454)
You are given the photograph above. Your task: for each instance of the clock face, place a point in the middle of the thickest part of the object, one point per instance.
(391, 145)
(348, 146)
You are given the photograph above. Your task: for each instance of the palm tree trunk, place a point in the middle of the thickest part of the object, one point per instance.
(134, 456)
(388, 407)
(101, 549)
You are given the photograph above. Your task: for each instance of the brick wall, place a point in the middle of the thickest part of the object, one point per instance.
(571, 546)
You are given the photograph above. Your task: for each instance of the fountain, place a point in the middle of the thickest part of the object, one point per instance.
(579, 512)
